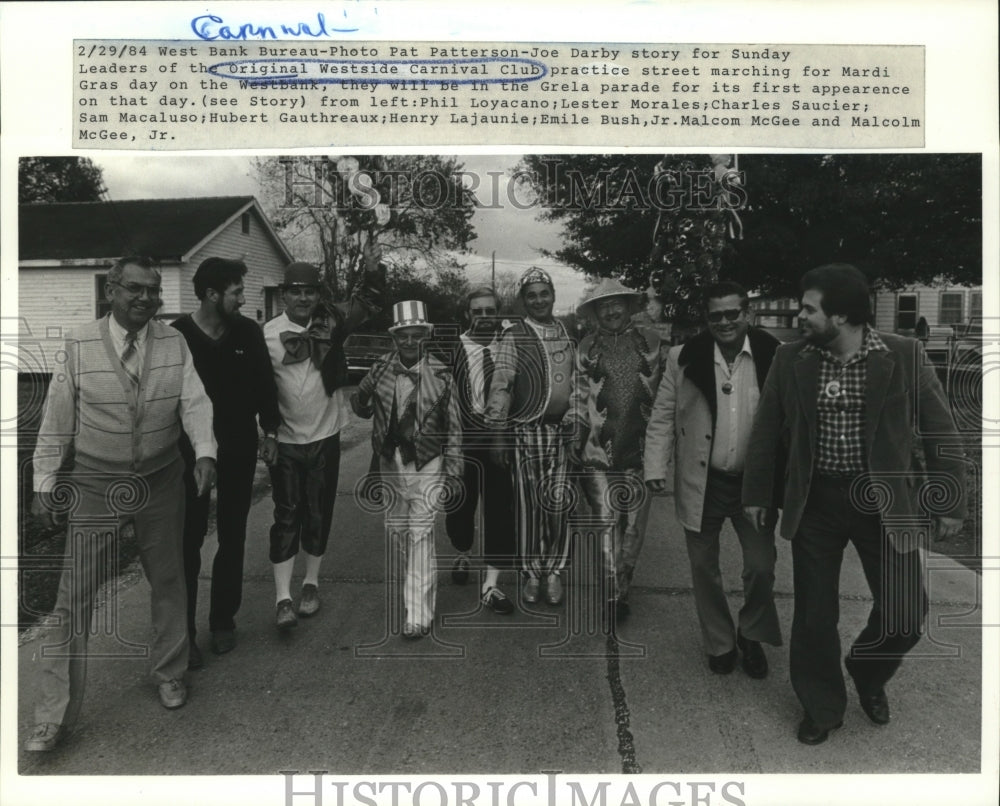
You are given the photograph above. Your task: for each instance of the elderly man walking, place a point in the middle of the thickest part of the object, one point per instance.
(110, 436)
(618, 370)
(532, 380)
(701, 422)
(305, 344)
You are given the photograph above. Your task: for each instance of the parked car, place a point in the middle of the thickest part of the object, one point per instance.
(362, 349)
(782, 323)
(956, 351)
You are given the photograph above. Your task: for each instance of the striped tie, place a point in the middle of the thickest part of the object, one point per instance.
(487, 373)
(130, 360)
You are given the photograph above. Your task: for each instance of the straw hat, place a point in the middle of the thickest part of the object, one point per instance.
(608, 287)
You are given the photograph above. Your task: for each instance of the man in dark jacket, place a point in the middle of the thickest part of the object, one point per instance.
(231, 358)
(850, 406)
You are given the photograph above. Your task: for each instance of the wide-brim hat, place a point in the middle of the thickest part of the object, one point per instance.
(608, 287)
(409, 313)
(301, 274)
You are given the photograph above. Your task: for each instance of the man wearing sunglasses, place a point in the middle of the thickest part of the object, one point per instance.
(701, 421)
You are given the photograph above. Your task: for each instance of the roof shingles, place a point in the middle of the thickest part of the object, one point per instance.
(163, 229)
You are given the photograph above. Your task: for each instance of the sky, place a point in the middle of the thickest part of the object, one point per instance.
(515, 234)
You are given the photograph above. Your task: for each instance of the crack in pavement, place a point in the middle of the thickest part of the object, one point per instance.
(626, 743)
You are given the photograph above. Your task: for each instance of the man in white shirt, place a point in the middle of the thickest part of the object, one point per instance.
(108, 451)
(701, 421)
(472, 358)
(305, 344)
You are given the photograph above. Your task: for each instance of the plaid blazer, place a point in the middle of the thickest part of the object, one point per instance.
(438, 430)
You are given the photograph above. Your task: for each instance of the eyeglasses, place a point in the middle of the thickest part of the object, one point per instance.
(731, 315)
(136, 289)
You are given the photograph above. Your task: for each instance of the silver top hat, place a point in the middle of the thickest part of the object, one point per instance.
(409, 313)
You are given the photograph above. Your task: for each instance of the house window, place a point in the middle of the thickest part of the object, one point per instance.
(906, 311)
(272, 302)
(951, 308)
(102, 307)
(245, 223)
(976, 305)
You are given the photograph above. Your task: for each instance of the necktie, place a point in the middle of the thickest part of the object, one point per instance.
(130, 360)
(487, 373)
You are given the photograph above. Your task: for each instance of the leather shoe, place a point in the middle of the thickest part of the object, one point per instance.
(530, 591)
(497, 601)
(874, 702)
(554, 589)
(309, 603)
(173, 694)
(460, 570)
(723, 664)
(195, 660)
(45, 737)
(285, 615)
(754, 659)
(223, 641)
(876, 705)
(811, 733)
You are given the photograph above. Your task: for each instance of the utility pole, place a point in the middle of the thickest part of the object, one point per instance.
(493, 272)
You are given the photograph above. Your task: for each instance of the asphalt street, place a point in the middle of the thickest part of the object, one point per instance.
(547, 688)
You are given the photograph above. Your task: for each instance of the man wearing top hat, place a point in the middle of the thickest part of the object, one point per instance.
(305, 344)
(532, 380)
(701, 421)
(416, 443)
(618, 370)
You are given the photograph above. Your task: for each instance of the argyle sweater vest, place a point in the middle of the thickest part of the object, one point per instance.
(119, 432)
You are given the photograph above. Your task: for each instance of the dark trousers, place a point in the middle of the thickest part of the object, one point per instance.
(758, 617)
(235, 470)
(493, 485)
(898, 610)
(304, 488)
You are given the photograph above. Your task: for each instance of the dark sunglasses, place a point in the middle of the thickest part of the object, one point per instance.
(731, 314)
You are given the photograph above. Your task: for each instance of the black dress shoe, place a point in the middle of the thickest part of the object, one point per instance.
(811, 733)
(723, 664)
(876, 705)
(874, 701)
(223, 641)
(754, 659)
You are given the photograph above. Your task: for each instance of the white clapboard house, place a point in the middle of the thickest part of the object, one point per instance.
(66, 249)
(940, 307)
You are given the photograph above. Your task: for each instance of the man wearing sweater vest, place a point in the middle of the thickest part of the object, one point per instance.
(306, 348)
(108, 444)
(232, 361)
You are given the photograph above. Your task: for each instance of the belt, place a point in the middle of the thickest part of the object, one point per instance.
(725, 473)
